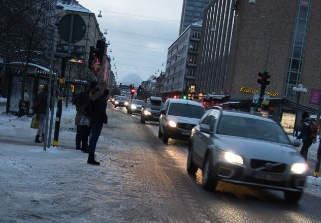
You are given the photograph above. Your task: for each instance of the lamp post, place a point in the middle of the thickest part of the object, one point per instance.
(299, 89)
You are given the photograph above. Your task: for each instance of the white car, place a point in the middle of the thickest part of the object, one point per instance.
(246, 149)
(178, 117)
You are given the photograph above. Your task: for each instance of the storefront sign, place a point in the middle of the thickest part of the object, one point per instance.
(256, 91)
(315, 96)
(287, 122)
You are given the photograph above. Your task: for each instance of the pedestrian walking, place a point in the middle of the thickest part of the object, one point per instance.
(307, 134)
(40, 108)
(97, 117)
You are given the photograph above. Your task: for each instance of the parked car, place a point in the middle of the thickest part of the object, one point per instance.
(178, 117)
(135, 106)
(151, 110)
(121, 101)
(246, 149)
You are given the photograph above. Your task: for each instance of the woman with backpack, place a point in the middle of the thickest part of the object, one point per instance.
(307, 134)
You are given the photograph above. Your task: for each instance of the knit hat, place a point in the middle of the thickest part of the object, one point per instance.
(305, 115)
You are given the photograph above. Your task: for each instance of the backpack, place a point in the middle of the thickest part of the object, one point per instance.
(312, 131)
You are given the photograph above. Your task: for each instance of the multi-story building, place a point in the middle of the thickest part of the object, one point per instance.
(240, 39)
(192, 11)
(181, 62)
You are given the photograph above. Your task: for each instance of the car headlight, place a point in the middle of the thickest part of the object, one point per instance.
(116, 102)
(231, 157)
(126, 103)
(133, 107)
(299, 168)
(172, 123)
(146, 112)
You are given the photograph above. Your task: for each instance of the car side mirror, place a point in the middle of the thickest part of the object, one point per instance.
(206, 128)
(163, 112)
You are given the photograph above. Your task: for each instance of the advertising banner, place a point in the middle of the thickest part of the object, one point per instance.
(315, 96)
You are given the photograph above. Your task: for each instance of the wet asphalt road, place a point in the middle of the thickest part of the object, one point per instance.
(174, 196)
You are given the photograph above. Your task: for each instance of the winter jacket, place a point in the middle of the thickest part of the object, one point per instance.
(82, 102)
(304, 129)
(98, 104)
(41, 101)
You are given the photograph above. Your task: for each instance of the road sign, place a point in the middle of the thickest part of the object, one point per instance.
(266, 99)
(256, 98)
(72, 28)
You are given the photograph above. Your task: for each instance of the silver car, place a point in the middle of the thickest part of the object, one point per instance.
(246, 149)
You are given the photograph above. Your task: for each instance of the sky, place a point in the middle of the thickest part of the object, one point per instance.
(139, 32)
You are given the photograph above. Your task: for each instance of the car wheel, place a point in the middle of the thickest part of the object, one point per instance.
(209, 181)
(142, 120)
(160, 135)
(291, 196)
(127, 111)
(191, 167)
(165, 139)
(115, 106)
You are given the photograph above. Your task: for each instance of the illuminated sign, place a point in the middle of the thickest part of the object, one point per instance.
(256, 91)
(75, 61)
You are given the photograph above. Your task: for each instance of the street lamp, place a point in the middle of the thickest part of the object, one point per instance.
(299, 89)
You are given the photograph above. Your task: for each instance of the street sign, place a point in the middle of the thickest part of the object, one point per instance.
(266, 99)
(72, 28)
(256, 98)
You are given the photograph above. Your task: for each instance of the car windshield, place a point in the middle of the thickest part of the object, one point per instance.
(186, 110)
(121, 98)
(252, 128)
(138, 102)
(154, 104)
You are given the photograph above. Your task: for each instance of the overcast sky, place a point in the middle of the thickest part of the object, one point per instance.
(139, 31)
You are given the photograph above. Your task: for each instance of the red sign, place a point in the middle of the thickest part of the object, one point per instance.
(96, 66)
(315, 96)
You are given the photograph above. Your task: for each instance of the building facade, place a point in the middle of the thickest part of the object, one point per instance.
(192, 11)
(240, 39)
(181, 63)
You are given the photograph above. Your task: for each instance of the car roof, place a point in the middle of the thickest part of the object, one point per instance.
(184, 101)
(155, 98)
(244, 114)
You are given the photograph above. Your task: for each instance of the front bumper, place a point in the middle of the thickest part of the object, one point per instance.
(241, 175)
(177, 133)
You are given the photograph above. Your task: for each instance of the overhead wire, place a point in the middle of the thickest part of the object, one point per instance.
(148, 17)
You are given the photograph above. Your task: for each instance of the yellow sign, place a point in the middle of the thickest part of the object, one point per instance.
(256, 91)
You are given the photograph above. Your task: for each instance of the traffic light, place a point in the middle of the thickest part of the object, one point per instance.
(101, 50)
(264, 78)
(91, 56)
(184, 96)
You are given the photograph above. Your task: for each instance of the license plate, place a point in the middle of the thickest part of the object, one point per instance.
(186, 133)
(268, 176)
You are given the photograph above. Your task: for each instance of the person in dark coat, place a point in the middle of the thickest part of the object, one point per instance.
(40, 109)
(307, 142)
(82, 107)
(97, 116)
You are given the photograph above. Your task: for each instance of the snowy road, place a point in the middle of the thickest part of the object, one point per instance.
(139, 180)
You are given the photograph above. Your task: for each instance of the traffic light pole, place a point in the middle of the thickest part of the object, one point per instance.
(59, 103)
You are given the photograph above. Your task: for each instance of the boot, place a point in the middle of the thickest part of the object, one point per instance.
(37, 139)
(42, 138)
(85, 149)
(91, 159)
